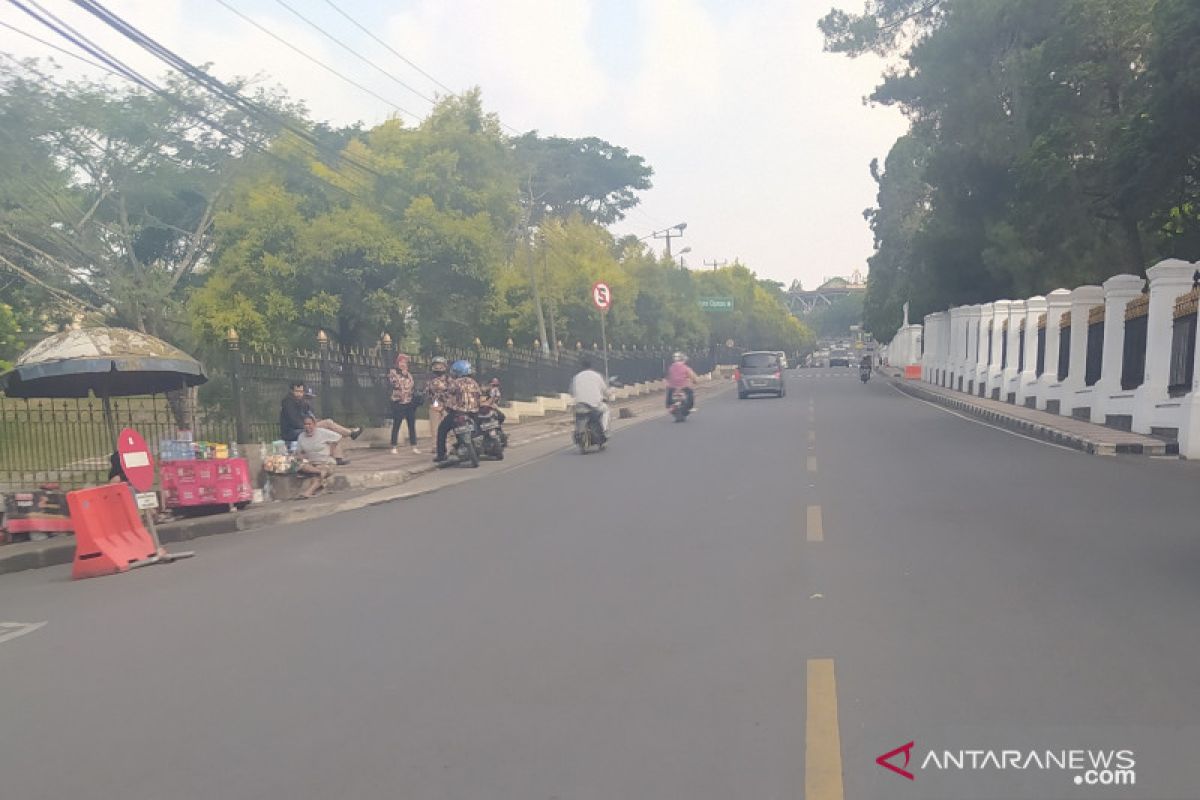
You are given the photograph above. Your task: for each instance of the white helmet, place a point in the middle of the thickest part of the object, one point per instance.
(680, 357)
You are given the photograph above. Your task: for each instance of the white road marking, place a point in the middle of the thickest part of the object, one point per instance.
(14, 629)
(1019, 435)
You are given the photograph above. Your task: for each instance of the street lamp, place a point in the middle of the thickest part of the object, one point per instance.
(681, 254)
(667, 234)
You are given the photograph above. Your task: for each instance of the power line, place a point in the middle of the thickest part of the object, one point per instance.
(354, 52)
(213, 85)
(222, 90)
(62, 50)
(399, 55)
(320, 63)
(391, 49)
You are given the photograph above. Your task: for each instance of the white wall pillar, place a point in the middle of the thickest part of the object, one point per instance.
(929, 366)
(958, 348)
(986, 312)
(1189, 428)
(1151, 406)
(1049, 389)
(1016, 313)
(1075, 392)
(995, 382)
(970, 360)
(1027, 379)
(1109, 398)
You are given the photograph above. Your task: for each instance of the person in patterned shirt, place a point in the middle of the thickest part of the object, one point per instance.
(492, 396)
(403, 403)
(436, 387)
(462, 396)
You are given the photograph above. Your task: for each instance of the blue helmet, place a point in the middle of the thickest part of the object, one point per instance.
(460, 368)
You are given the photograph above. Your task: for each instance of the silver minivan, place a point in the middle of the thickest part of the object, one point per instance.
(760, 372)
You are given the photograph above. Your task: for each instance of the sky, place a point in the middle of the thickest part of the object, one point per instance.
(760, 141)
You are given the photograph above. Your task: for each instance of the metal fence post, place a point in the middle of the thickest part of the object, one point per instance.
(323, 345)
(235, 377)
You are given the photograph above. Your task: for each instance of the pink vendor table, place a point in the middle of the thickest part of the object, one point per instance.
(215, 482)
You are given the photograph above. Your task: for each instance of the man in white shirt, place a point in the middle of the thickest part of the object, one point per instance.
(318, 447)
(590, 388)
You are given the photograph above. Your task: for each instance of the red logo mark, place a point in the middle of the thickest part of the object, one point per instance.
(907, 750)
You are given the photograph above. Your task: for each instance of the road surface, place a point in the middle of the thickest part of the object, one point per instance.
(755, 604)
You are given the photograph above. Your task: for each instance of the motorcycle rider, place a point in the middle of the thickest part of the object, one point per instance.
(588, 387)
(681, 376)
(462, 397)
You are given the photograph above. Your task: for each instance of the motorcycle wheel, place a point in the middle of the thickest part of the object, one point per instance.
(472, 454)
(584, 440)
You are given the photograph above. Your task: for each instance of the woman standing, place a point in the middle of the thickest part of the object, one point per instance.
(404, 404)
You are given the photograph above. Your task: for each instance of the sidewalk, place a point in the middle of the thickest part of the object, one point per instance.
(1078, 434)
(372, 468)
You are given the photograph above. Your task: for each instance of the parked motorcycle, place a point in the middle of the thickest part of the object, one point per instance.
(588, 430)
(679, 405)
(491, 438)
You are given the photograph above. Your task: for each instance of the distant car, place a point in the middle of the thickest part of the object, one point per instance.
(760, 372)
(839, 360)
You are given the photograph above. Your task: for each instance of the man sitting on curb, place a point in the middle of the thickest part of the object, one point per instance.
(317, 446)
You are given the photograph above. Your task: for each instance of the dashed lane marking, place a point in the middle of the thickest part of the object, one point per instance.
(814, 529)
(822, 738)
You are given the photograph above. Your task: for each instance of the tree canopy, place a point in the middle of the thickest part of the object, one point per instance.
(1050, 144)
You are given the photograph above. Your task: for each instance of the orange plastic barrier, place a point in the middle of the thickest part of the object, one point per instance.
(109, 535)
(912, 372)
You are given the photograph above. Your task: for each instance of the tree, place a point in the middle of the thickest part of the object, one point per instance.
(123, 187)
(590, 177)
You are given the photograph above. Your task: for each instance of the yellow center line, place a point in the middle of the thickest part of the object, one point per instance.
(816, 531)
(812, 463)
(822, 739)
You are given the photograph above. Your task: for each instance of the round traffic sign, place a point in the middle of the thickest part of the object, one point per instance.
(601, 295)
(729, 342)
(136, 460)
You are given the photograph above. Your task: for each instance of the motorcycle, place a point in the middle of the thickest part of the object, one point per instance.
(679, 405)
(465, 433)
(864, 374)
(588, 431)
(491, 439)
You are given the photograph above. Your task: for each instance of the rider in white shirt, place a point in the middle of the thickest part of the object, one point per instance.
(589, 388)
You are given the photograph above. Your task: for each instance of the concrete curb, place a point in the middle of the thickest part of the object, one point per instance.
(1034, 430)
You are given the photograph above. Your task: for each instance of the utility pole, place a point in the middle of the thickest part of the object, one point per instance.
(715, 264)
(668, 235)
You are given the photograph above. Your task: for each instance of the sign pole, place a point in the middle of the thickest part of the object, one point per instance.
(604, 340)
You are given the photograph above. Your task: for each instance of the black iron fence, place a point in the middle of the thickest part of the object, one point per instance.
(1064, 349)
(1133, 354)
(1095, 353)
(69, 441)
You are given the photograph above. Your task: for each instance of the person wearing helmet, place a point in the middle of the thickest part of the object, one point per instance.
(462, 396)
(437, 385)
(589, 388)
(681, 376)
(492, 396)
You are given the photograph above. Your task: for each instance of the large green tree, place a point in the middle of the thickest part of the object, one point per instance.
(1050, 144)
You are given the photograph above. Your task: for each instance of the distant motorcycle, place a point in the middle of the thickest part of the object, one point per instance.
(679, 405)
(864, 374)
(491, 438)
(588, 430)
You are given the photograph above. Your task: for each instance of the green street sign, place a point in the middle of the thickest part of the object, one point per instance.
(717, 303)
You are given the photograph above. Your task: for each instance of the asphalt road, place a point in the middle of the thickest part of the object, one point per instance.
(754, 604)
